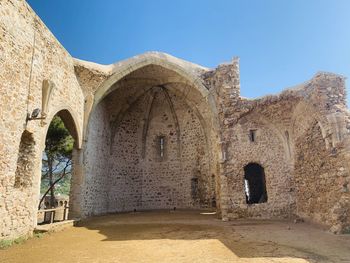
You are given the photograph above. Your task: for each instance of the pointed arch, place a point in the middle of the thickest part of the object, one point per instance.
(187, 73)
(121, 106)
(304, 116)
(71, 123)
(70, 120)
(124, 68)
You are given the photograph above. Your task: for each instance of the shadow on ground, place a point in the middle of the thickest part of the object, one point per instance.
(202, 225)
(182, 236)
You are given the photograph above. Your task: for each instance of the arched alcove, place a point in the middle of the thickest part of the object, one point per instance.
(66, 169)
(304, 116)
(148, 137)
(25, 161)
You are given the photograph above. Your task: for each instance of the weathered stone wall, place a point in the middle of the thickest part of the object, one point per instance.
(29, 54)
(302, 136)
(322, 154)
(223, 82)
(322, 181)
(284, 134)
(270, 149)
(267, 150)
(153, 181)
(96, 151)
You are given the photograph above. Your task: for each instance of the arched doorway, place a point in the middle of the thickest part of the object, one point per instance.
(254, 184)
(154, 137)
(57, 168)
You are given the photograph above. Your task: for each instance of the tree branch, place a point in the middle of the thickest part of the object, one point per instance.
(55, 182)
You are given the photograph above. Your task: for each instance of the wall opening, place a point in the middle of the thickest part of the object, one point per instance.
(254, 184)
(25, 161)
(57, 170)
(252, 135)
(161, 146)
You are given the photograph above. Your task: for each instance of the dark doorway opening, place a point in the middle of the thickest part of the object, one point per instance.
(254, 184)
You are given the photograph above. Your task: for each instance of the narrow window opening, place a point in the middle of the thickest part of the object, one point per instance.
(161, 146)
(254, 184)
(160, 149)
(252, 135)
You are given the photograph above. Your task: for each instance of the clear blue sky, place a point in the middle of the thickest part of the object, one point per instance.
(280, 43)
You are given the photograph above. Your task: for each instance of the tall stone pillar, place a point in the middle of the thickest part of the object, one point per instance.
(75, 196)
(226, 84)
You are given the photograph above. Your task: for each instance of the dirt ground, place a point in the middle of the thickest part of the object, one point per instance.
(182, 236)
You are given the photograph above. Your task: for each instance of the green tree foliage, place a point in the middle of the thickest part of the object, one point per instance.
(59, 142)
(56, 157)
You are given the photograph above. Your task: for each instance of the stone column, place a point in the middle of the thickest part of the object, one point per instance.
(225, 81)
(75, 196)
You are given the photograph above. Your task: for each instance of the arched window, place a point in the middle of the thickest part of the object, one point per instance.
(254, 184)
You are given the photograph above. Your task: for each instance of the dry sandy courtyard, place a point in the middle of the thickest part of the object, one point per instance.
(182, 237)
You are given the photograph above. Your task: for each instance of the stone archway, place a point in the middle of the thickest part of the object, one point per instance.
(124, 128)
(70, 122)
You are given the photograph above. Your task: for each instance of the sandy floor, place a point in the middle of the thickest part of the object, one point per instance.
(182, 237)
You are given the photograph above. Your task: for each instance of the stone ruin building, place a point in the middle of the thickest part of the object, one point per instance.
(157, 132)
